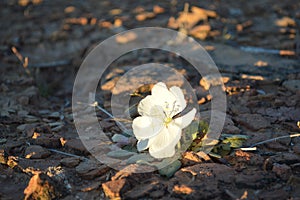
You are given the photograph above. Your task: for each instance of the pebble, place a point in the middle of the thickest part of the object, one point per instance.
(89, 170)
(41, 186)
(3, 157)
(140, 191)
(36, 152)
(213, 80)
(253, 122)
(283, 171)
(76, 145)
(47, 141)
(292, 85)
(112, 189)
(281, 158)
(23, 100)
(70, 162)
(190, 158)
(296, 148)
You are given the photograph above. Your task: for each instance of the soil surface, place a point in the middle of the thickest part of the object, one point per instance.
(42, 45)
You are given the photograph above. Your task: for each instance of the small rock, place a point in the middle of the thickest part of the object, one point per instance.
(229, 126)
(112, 189)
(3, 157)
(190, 158)
(283, 171)
(275, 145)
(157, 194)
(296, 148)
(253, 122)
(213, 80)
(285, 21)
(3, 140)
(241, 158)
(230, 129)
(252, 180)
(182, 189)
(23, 100)
(26, 128)
(13, 147)
(274, 194)
(42, 186)
(205, 179)
(282, 158)
(47, 141)
(70, 162)
(140, 191)
(292, 85)
(89, 170)
(36, 152)
(76, 145)
(278, 102)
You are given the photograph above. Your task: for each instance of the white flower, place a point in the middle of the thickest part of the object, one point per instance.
(155, 128)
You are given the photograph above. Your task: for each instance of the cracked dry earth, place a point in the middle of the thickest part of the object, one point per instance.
(263, 99)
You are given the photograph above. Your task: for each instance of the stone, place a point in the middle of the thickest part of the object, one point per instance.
(229, 126)
(253, 122)
(182, 189)
(206, 179)
(70, 162)
(157, 194)
(36, 152)
(296, 148)
(140, 191)
(282, 171)
(252, 180)
(242, 158)
(213, 80)
(41, 186)
(76, 145)
(48, 141)
(3, 157)
(190, 158)
(274, 194)
(89, 170)
(282, 158)
(112, 189)
(23, 100)
(292, 85)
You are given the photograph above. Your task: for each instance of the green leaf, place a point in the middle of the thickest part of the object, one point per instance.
(130, 148)
(235, 141)
(224, 136)
(119, 153)
(170, 170)
(191, 131)
(203, 126)
(214, 155)
(140, 158)
(120, 138)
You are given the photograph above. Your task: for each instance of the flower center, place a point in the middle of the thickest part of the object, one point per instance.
(167, 121)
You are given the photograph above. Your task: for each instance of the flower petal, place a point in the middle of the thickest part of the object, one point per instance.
(162, 96)
(177, 92)
(142, 144)
(159, 88)
(146, 127)
(186, 119)
(148, 107)
(163, 145)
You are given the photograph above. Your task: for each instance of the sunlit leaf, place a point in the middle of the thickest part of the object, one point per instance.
(235, 141)
(171, 169)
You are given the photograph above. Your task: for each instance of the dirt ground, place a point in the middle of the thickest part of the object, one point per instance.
(42, 44)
